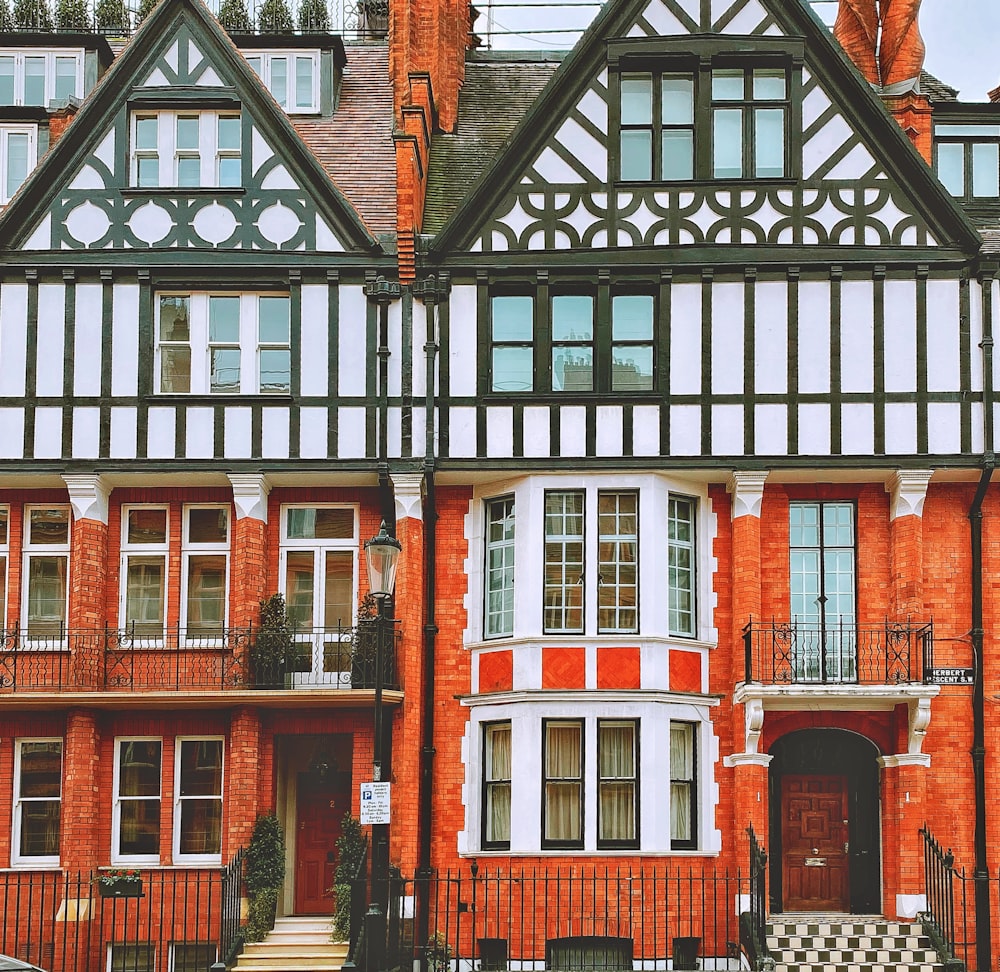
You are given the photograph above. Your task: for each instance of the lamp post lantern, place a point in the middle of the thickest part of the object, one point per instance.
(381, 557)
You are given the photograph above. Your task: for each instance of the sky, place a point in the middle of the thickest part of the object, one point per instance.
(962, 36)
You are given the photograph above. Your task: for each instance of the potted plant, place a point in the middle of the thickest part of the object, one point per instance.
(32, 15)
(119, 882)
(265, 873)
(234, 17)
(275, 17)
(274, 644)
(112, 17)
(314, 17)
(72, 15)
(365, 647)
(438, 953)
(351, 846)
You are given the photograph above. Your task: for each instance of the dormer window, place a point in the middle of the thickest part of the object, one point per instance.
(968, 161)
(37, 77)
(292, 78)
(186, 149)
(17, 157)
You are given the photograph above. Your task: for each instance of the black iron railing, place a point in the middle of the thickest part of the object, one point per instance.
(753, 924)
(939, 916)
(567, 917)
(141, 658)
(230, 925)
(798, 653)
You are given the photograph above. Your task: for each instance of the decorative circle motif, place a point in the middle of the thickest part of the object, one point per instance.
(214, 224)
(278, 224)
(87, 223)
(150, 223)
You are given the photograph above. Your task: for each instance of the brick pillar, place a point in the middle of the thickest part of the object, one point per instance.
(908, 491)
(904, 811)
(242, 780)
(248, 561)
(82, 805)
(750, 805)
(914, 113)
(88, 569)
(408, 721)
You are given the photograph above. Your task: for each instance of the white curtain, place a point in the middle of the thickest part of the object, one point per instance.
(681, 780)
(563, 782)
(616, 770)
(498, 780)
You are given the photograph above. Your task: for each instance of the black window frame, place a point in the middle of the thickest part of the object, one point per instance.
(634, 842)
(685, 843)
(489, 782)
(967, 142)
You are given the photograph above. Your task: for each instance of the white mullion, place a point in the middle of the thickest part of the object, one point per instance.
(208, 138)
(200, 353)
(166, 146)
(18, 79)
(248, 344)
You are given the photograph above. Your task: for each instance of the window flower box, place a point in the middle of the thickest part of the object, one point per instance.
(119, 884)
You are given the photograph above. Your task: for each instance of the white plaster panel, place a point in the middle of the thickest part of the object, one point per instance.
(976, 328)
(125, 340)
(813, 105)
(685, 339)
(313, 370)
(419, 438)
(86, 433)
(944, 427)
(536, 431)
(462, 433)
(87, 343)
(771, 337)
(13, 348)
(105, 152)
(41, 238)
(260, 151)
(11, 433)
(814, 430)
(727, 338)
(610, 431)
(771, 430)
(857, 336)
(978, 433)
(394, 371)
(313, 438)
(200, 442)
(857, 429)
(692, 8)
(646, 430)
(274, 431)
(87, 223)
(727, 430)
(500, 432)
(161, 425)
(900, 336)
(462, 352)
(745, 22)
(418, 338)
(685, 430)
(595, 109)
(814, 336)
(901, 428)
(662, 20)
(572, 430)
(587, 150)
(124, 431)
(943, 348)
(278, 178)
(394, 430)
(48, 433)
(353, 342)
(237, 436)
(51, 335)
(822, 146)
(857, 163)
(87, 178)
(554, 170)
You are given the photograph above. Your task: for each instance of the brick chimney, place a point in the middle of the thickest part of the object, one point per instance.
(59, 121)
(882, 38)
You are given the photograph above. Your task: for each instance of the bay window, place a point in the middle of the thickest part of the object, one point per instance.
(137, 794)
(205, 570)
(562, 786)
(46, 569)
(198, 800)
(145, 545)
(496, 785)
(186, 149)
(37, 801)
(617, 783)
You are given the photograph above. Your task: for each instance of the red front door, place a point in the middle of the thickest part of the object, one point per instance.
(320, 807)
(814, 843)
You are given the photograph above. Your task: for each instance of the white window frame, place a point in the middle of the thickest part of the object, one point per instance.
(50, 56)
(4, 564)
(150, 947)
(168, 154)
(140, 551)
(117, 857)
(191, 549)
(16, 858)
(265, 60)
(31, 132)
(208, 946)
(178, 800)
(250, 343)
(502, 626)
(30, 550)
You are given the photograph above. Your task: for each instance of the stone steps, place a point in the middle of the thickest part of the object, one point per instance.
(294, 945)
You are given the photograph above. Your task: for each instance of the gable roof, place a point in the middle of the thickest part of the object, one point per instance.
(129, 71)
(589, 58)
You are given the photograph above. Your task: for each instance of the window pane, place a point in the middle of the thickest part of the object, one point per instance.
(616, 781)
(225, 370)
(678, 154)
(148, 172)
(274, 319)
(497, 774)
(146, 132)
(254, 63)
(512, 369)
(512, 318)
(144, 587)
(299, 582)
(174, 319)
(632, 317)
(727, 85)
(618, 558)
(338, 602)
(6, 80)
(4, 513)
(187, 131)
(206, 599)
(303, 82)
(279, 80)
(146, 526)
(564, 561)
(678, 100)
(17, 162)
(175, 370)
(40, 828)
(230, 171)
(192, 958)
(48, 526)
(563, 789)
(500, 567)
(201, 827)
(201, 767)
(224, 320)
(132, 958)
(139, 827)
(769, 84)
(637, 99)
(275, 371)
(139, 768)
(986, 170)
(951, 167)
(41, 769)
(34, 80)
(682, 782)
(572, 318)
(46, 595)
(572, 369)
(728, 143)
(632, 368)
(769, 143)
(326, 524)
(208, 525)
(188, 171)
(229, 132)
(637, 155)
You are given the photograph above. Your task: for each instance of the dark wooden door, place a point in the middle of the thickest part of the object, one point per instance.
(320, 807)
(814, 833)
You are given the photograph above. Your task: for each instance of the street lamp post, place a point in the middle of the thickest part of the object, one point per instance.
(381, 557)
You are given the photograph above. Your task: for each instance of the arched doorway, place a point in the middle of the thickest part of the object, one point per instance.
(824, 823)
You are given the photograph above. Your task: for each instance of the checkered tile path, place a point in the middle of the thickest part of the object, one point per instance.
(817, 943)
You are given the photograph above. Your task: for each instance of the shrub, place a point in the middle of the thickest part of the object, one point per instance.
(6, 20)
(234, 17)
(146, 7)
(275, 17)
(32, 15)
(351, 846)
(72, 15)
(112, 16)
(265, 873)
(273, 646)
(314, 16)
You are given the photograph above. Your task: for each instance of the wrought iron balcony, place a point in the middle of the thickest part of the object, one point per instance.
(145, 658)
(797, 653)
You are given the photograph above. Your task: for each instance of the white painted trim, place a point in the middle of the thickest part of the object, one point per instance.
(88, 496)
(116, 856)
(250, 493)
(408, 491)
(908, 489)
(178, 799)
(16, 859)
(747, 489)
(905, 759)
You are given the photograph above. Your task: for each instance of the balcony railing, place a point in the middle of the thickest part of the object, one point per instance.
(794, 653)
(141, 659)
